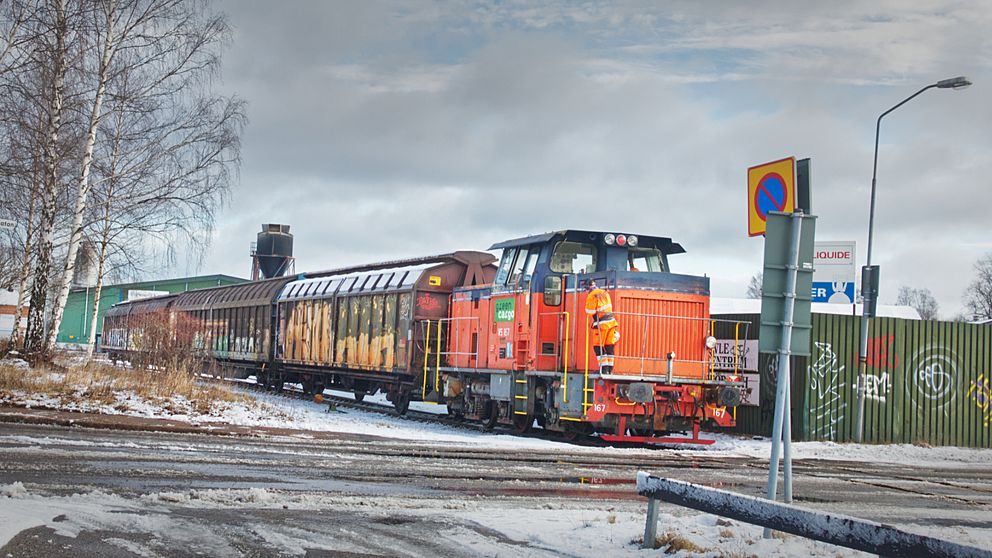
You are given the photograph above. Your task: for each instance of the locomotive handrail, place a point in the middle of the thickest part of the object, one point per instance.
(427, 349)
(564, 353)
(475, 353)
(707, 365)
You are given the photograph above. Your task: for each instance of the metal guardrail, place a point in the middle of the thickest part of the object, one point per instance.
(841, 530)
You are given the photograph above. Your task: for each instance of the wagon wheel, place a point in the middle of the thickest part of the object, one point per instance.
(491, 417)
(570, 435)
(401, 403)
(360, 395)
(522, 423)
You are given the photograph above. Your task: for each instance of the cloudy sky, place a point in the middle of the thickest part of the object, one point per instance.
(384, 129)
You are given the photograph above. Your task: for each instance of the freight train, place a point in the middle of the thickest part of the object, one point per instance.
(500, 342)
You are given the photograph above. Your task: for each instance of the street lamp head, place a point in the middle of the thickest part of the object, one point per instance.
(959, 82)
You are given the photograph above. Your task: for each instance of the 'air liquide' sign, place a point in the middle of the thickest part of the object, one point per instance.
(833, 278)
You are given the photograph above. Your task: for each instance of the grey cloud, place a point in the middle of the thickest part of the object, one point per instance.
(382, 130)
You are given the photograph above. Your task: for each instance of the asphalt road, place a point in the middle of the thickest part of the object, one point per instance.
(358, 497)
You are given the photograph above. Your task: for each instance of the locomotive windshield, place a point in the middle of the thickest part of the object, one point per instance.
(644, 259)
(517, 266)
(574, 257)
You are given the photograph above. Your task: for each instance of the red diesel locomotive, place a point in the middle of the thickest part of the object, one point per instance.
(502, 344)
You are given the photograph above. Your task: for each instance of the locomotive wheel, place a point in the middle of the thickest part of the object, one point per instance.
(490, 419)
(522, 423)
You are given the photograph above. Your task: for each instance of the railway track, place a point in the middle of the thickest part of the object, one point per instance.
(292, 392)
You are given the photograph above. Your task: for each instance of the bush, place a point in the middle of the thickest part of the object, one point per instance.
(162, 340)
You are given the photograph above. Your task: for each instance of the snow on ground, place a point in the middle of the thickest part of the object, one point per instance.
(760, 447)
(268, 410)
(559, 528)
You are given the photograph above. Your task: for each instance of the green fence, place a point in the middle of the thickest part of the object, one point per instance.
(928, 382)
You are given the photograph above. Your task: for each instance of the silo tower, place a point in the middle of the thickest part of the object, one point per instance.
(272, 253)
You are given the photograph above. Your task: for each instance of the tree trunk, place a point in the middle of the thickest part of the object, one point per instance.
(35, 341)
(98, 292)
(84, 183)
(22, 295)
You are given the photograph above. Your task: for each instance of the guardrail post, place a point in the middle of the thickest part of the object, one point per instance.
(651, 524)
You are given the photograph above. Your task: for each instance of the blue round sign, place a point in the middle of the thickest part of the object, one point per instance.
(770, 195)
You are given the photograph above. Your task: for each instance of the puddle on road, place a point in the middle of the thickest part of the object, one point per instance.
(598, 480)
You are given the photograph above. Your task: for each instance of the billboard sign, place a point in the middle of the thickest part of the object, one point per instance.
(833, 280)
(138, 294)
(738, 355)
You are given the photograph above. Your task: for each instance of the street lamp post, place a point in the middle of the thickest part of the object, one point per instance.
(869, 275)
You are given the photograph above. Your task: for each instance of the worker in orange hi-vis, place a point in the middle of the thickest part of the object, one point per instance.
(605, 329)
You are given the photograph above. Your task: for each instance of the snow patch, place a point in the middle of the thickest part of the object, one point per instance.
(13, 490)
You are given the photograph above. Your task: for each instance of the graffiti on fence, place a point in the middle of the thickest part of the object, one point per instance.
(931, 378)
(877, 387)
(882, 352)
(981, 393)
(825, 375)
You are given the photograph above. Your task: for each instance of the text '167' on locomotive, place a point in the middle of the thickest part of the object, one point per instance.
(507, 343)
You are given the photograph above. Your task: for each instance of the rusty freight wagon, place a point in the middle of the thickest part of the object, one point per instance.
(234, 324)
(124, 324)
(361, 329)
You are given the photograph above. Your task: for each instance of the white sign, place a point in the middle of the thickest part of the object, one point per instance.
(752, 390)
(834, 275)
(7, 224)
(742, 357)
(137, 294)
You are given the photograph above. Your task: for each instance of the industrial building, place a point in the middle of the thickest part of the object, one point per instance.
(79, 306)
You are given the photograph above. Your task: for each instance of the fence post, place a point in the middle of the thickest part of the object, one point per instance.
(651, 524)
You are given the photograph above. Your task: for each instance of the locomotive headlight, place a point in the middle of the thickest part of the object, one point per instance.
(710, 342)
(631, 241)
(621, 240)
(609, 239)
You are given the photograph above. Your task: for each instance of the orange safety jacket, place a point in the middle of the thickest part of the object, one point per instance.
(600, 307)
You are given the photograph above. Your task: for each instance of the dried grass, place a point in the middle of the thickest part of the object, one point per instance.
(165, 373)
(673, 542)
(99, 383)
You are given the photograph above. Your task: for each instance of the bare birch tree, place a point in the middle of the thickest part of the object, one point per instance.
(978, 295)
(58, 18)
(166, 172)
(14, 18)
(922, 300)
(172, 45)
(107, 42)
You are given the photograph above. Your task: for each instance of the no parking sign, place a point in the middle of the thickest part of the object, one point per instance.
(770, 187)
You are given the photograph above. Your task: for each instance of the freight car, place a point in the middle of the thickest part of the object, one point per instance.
(507, 343)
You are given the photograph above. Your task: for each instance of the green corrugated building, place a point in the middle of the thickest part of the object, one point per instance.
(79, 306)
